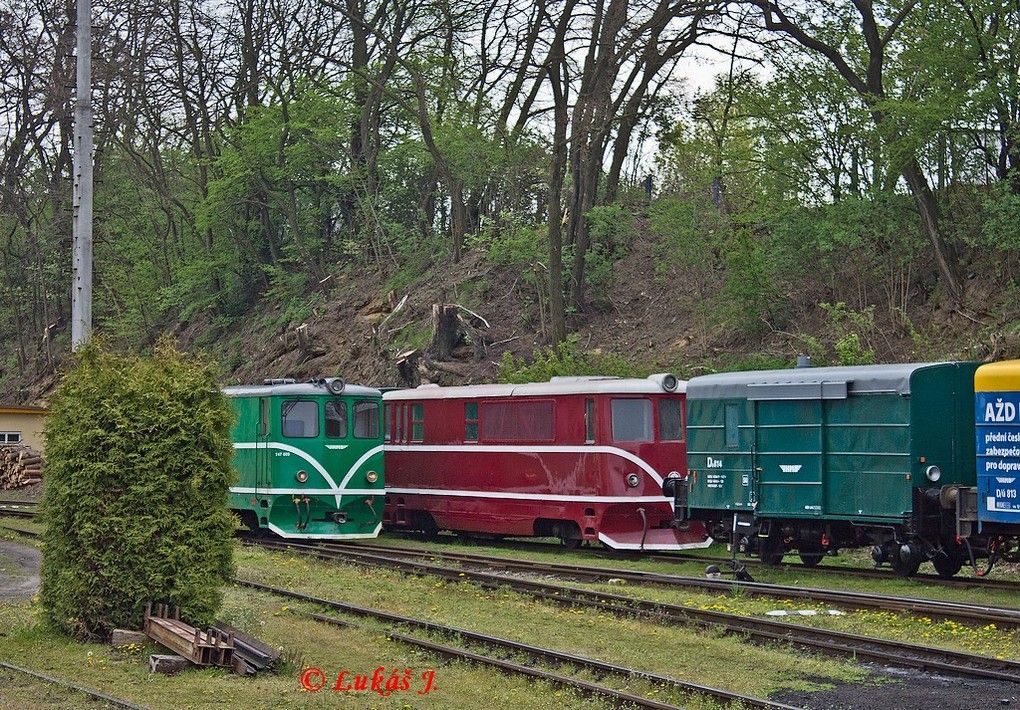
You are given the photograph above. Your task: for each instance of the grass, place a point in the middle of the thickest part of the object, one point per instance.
(20, 691)
(690, 566)
(6, 533)
(124, 672)
(690, 653)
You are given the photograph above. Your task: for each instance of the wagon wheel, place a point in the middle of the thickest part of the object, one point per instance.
(947, 563)
(905, 560)
(810, 554)
(770, 551)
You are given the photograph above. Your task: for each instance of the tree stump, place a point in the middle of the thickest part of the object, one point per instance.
(446, 332)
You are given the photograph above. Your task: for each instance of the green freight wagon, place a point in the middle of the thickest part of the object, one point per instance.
(309, 457)
(812, 460)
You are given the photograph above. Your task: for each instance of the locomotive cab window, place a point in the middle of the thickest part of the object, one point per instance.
(471, 421)
(589, 421)
(300, 419)
(336, 419)
(417, 422)
(632, 420)
(732, 426)
(366, 420)
(671, 427)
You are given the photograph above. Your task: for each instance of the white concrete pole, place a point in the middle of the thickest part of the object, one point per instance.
(81, 288)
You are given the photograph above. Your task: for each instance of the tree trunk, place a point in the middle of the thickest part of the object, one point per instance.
(557, 315)
(945, 255)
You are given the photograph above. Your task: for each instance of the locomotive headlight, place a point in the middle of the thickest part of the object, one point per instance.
(933, 473)
(633, 480)
(301, 476)
(371, 476)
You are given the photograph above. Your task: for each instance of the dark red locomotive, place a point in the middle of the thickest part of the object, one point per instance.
(579, 458)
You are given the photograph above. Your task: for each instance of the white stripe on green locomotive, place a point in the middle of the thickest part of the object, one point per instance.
(309, 458)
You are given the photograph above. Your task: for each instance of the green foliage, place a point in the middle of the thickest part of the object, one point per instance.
(513, 242)
(138, 466)
(686, 233)
(751, 294)
(851, 328)
(1001, 230)
(568, 358)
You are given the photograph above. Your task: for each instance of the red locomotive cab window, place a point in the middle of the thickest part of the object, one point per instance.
(525, 420)
(632, 419)
(589, 421)
(471, 421)
(417, 422)
(398, 423)
(671, 424)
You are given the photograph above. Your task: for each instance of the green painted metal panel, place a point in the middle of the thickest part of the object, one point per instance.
(815, 456)
(788, 457)
(942, 421)
(867, 457)
(723, 474)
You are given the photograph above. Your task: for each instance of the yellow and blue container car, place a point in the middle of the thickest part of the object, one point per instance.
(309, 458)
(997, 418)
(995, 503)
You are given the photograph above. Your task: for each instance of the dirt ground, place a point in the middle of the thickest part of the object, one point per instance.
(900, 689)
(19, 570)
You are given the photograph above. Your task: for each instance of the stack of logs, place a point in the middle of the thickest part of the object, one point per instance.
(19, 466)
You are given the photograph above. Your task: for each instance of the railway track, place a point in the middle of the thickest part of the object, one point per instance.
(967, 613)
(676, 557)
(20, 531)
(18, 509)
(535, 654)
(94, 694)
(838, 643)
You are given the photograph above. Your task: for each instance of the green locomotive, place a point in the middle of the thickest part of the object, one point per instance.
(309, 457)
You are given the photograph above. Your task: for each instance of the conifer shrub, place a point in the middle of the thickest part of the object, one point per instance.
(138, 465)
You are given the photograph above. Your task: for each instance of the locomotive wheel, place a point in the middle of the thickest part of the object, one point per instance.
(570, 535)
(771, 558)
(905, 560)
(946, 564)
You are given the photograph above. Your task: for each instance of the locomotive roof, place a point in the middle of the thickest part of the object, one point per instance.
(297, 389)
(555, 386)
(823, 382)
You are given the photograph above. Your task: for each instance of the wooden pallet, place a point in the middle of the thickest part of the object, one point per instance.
(204, 648)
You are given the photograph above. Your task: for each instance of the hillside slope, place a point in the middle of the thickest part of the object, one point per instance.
(654, 314)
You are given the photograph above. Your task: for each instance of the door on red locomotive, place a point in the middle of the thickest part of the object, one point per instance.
(580, 458)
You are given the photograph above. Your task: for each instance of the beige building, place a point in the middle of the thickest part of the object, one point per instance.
(22, 425)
